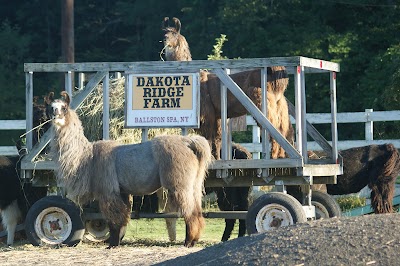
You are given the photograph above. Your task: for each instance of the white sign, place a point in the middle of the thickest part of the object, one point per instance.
(162, 100)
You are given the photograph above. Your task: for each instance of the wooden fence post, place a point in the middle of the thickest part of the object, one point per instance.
(369, 125)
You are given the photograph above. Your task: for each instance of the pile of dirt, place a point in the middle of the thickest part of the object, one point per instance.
(363, 240)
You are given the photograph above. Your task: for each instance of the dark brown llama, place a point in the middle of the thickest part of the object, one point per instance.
(16, 195)
(375, 166)
(177, 49)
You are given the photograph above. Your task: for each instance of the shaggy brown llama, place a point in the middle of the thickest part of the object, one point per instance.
(177, 49)
(109, 173)
(375, 166)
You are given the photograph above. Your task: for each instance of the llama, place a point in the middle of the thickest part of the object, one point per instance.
(108, 172)
(375, 165)
(16, 196)
(177, 49)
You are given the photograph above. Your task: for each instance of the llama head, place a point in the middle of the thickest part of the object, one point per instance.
(172, 34)
(57, 109)
(175, 44)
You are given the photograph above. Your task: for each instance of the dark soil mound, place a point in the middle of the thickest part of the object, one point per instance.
(363, 240)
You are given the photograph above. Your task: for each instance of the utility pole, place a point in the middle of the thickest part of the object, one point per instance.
(67, 41)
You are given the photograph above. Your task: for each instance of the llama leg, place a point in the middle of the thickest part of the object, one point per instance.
(194, 224)
(171, 222)
(114, 235)
(229, 224)
(242, 227)
(10, 217)
(200, 226)
(116, 209)
(381, 198)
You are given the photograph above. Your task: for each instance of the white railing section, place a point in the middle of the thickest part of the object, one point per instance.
(368, 118)
(11, 125)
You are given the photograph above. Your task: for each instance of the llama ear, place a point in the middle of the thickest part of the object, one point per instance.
(49, 98)
(177, 24)
(65, 95)
(164, 24)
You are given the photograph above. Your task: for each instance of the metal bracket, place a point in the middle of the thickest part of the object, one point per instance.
(280, 186)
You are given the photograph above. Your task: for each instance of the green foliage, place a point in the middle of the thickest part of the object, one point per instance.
(217, 51)
(14, 48)
(347, 203)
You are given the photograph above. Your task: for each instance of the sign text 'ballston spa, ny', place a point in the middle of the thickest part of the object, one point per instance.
(162, 100)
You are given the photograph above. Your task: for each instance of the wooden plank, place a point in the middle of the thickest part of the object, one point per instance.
(319, 64)
(348, 117)
(40, 165)
(195, 65)
(160, 66)
(261, 163)
(322, 170)
(37, 149)
(342, 145)
(12, 124)
(8, 151)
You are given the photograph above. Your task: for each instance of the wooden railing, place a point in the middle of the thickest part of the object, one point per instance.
(11, 125)
(368, 118)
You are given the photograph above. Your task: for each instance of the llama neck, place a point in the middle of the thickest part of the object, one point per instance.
(70, 147)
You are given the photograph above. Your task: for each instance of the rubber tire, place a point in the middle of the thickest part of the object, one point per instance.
(64, 206)
(330, 206)
(88, 237)
(286, 201)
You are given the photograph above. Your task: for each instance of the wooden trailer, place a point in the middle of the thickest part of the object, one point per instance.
(55, 220)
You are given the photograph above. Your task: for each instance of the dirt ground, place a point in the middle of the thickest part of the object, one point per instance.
(363, 240)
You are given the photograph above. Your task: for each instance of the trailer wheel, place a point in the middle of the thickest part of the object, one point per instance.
(273, 210)
(53, 221)
(97, 230)
(325, 205)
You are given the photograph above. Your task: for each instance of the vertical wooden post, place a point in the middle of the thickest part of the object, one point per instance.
(264, 109)
(334, 115)
(369, 125)
(29, 118)
(68, 83)
(106, 106)
(81, 80)
(300, 99)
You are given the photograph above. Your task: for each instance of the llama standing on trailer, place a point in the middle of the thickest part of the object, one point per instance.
(177, 49)
(16, 196)
(108, 172)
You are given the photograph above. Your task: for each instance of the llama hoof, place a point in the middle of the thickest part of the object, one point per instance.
(190, 244)
(112, 247)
